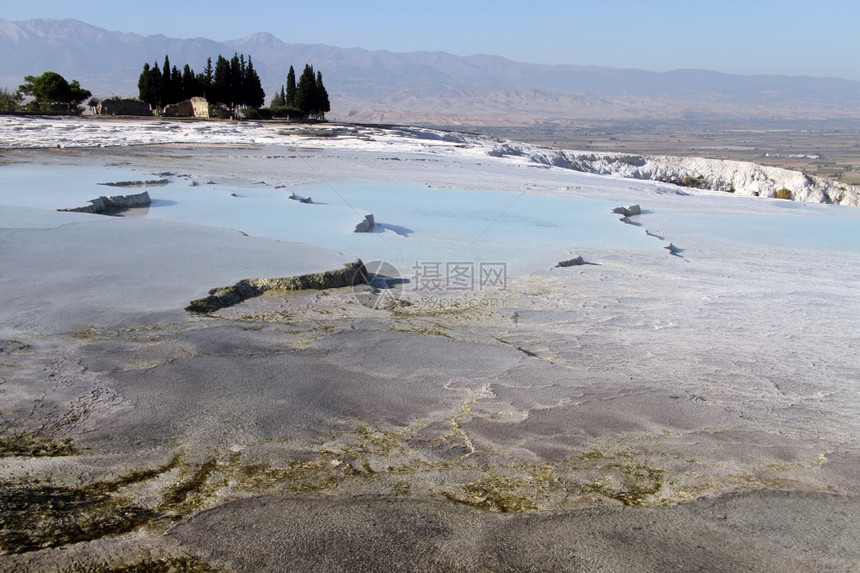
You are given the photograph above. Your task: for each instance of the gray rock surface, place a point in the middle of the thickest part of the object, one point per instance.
(366, 225)
(655, 414)
(113, 203)
(785, 532)
(628, 211)
(574, 262)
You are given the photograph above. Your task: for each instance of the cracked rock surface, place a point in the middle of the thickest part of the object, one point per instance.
(643, 412)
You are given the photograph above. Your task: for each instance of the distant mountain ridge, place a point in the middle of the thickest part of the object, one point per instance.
(426, 86)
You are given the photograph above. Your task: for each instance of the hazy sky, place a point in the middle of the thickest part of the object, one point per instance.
(816, 38)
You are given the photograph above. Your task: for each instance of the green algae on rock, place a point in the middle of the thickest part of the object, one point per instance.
(33, 444)
(352, 274)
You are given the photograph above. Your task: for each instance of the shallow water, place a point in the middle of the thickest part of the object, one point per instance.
(417, 224)
(61, 186)
(830, 227)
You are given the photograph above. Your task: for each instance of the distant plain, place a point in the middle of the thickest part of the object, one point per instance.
(826, 148)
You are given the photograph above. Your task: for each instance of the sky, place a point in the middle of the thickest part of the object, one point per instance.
(811, 38)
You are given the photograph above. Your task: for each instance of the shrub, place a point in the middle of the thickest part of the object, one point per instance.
(9, 101)
(633, 160)
(698, 182)
(218, 112)
(783, 193)
(287, 112)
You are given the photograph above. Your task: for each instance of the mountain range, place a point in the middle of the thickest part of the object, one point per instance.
(427, 87)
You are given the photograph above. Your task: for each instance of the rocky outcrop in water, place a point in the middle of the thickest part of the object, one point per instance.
(366, 225)
(300, 199)
(574, 262)
(141, 183)
(673, 250)
(629, 211)
(113, 204)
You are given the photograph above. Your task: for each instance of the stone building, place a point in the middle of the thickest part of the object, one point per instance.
(194, 107)
(201, 106)
(116, 106)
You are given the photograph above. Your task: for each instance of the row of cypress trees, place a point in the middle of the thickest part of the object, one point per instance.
(233, 82)
(306, 96)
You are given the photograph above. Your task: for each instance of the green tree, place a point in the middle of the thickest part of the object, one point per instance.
(242, 91)
(235, 85)
(176, 88)
(149, 86)
(190, 85)
(206, 79)
(323, 105)
(255, 97)
(51, 87)
(221, 82)
(306, 88)
(279, 99)
(144, 90)
(77, 94)
(306, 98)
(290, 100)
(166, 90)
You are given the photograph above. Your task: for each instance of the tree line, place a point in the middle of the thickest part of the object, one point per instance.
(233, 82)
(308, 96)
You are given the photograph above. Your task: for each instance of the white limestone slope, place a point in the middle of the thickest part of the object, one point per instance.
(740, 177)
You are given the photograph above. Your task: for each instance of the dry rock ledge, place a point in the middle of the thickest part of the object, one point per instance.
(113, 203)
(222, 297)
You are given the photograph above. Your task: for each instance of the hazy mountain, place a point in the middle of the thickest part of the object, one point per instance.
(425, 86)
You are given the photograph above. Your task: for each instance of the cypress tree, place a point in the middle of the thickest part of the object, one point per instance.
(306, 96)
(322, 105)
(155, 86)
(290, 99)
(233, 82)
(166, 87)
(254, 95)
(235, 87)
(206, 79)
(190, 86)
(242, 91)
(175, 86)
(143, 88)
(221, 81)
